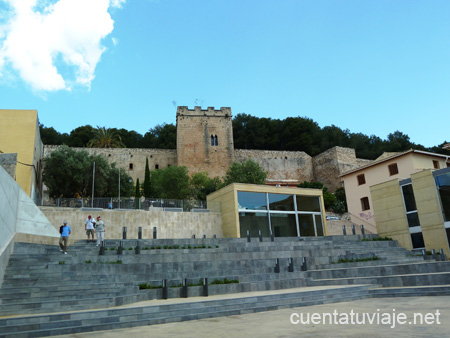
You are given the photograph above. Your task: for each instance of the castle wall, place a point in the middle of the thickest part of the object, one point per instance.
(205, 140)
(283, 167)
(131, 160)
(330, 164)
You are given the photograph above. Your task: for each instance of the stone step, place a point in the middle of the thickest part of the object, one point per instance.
(411, 291)
(380, 270)
(438, 278)
(158, 312)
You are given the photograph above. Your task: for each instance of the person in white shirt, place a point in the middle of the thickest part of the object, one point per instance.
(89, 227)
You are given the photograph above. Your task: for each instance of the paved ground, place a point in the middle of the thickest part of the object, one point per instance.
(278, 323)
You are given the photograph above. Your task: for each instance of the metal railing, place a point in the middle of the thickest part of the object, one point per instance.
(133, 204)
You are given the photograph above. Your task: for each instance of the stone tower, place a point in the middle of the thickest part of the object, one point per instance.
(205, 140)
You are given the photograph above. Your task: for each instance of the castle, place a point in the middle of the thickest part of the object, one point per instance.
(205, 144)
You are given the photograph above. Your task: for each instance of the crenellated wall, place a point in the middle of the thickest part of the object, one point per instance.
(131, 160)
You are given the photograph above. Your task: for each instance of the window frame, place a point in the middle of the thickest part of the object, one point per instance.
(393, 169)
(365, 203)
(361, 179)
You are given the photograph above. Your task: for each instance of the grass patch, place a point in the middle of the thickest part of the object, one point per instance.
(61, 262)
(146, 286)
(224, 281)
(88, 261)
(377, 239)
(351, 260)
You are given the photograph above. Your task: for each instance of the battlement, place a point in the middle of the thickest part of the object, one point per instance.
(198, 111)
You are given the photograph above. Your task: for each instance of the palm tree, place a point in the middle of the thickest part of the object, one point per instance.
(106, 138)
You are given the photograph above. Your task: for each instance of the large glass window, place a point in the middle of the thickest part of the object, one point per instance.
(254, 221)
(308, 203)
(413, 219)
(266, 211)
(443, 186)
(417, 240)
(408, 196)
(281, 202)
(306, 225)
(283, 225)
(252, 200)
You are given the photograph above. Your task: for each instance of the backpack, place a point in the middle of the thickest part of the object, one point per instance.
(61, 229)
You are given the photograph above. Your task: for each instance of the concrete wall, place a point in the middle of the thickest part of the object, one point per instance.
(9, 197)
(169, 224)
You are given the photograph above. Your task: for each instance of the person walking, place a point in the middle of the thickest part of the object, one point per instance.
(65, 232)
(100, 230)
(89, 227)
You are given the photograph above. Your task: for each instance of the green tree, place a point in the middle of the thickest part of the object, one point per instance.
(202, 185)
(171, 182)
(69, 173)
(246, 172)
(328, 198)
(79, 137)
(50, 136)
(147, 181)
(161, 137)
(137, 195)
(106, 138)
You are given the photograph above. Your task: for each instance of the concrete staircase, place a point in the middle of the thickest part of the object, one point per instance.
(47, 293)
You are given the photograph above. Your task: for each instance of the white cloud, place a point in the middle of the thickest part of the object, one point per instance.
(42, 40)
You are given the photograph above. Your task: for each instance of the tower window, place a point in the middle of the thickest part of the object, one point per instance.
(214, 141)
(130, 166)
(156, 166)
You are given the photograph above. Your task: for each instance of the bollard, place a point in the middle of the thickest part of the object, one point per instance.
(137, 250)
(120, 249)
(260, 236)
(291, 265)
(164, 289)
(124, 233)
(154, 232)
(344, 230)
(304, 266)
(277, 265)
(140, 233)
(353, 229)
(424, 254)
(193, 236)
(433, 254)
(363, 232)
(205, 287)
(441, 253)
(248, 236)
(271, 237)
(204, 236)
(184, 289)
(102, 249)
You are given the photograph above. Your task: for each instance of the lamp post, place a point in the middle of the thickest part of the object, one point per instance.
(130, 180)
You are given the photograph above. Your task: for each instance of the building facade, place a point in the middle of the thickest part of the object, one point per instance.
(415, 211)
(19, 134)
(281, 211)
(357, 182)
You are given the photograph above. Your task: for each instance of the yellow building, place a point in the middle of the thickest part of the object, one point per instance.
(19, 133)
(357, 182)
(282, 211)
(415, 211)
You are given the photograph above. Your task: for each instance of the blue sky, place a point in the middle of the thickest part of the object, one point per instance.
(368, 66)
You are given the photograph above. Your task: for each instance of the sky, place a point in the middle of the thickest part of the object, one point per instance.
(371, 67)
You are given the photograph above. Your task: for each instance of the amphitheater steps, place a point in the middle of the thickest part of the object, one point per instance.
(159, 312)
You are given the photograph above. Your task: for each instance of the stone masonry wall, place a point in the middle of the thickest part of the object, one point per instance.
(197, 131)
(132, 160)
(330, 164)
(9, 163)
(290, 167)
(169, 224)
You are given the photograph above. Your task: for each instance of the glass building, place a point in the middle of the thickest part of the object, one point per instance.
(285, 212)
